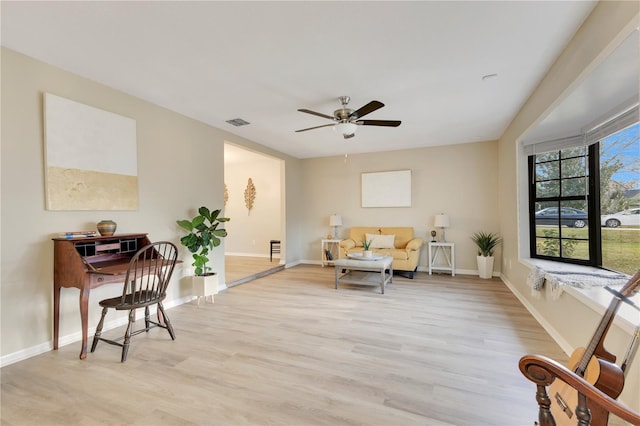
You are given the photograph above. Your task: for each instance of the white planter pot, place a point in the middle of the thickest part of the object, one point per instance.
(485, 266)
(205, 285)
(367, 253)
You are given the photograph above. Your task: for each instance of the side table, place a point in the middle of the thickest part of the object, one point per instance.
(448, 250)
(330, 250)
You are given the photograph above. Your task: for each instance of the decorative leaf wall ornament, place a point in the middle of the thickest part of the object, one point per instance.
(226, 194)
(249, 195)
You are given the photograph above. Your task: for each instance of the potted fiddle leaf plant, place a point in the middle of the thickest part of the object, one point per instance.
(204, 235)
(487, 243)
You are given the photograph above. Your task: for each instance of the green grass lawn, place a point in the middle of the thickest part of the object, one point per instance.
(620, 247)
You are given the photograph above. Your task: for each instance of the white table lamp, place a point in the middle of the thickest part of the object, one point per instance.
(335, 220)
(441, 221)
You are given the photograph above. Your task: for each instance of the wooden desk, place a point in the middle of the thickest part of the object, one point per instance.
(87, 263)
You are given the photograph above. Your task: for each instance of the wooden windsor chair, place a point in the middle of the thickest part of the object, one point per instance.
(145, 284)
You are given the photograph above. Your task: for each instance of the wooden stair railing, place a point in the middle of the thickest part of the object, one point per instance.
(543, 371)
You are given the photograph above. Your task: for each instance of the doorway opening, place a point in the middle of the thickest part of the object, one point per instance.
(254, 200)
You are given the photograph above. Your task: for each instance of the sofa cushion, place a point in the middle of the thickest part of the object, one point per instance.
(397, 254)
(403, 234)
(381, 241)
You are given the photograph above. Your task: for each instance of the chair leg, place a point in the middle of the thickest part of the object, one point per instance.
(161, 317)
(127, 336)
(167, 322)
(96, 337)
(146, 318)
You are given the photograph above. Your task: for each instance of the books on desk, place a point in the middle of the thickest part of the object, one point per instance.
(78, 234)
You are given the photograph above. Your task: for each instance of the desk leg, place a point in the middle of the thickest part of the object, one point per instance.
(56, 315)
(84, 316)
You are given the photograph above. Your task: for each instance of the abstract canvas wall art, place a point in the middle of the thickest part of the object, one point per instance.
(90, 157)
(386, 189)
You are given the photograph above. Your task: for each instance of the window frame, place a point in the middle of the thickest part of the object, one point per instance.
(593, 208)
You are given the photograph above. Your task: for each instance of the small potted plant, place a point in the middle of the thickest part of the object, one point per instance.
(204, 234)
(487, 243)
(367, 252)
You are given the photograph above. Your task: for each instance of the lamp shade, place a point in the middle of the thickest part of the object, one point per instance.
(441, 221)
(346, 128)
(335, 220)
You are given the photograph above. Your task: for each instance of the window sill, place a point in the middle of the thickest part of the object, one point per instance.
(595, 297)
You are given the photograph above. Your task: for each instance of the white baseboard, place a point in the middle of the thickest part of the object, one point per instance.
(458, 271)
(292, 264)
(555, 335)
(25, 353)
(77, 336)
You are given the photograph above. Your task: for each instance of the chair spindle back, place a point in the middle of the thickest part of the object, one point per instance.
(149, 274)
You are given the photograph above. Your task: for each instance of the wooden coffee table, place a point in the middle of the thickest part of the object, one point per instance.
(354, 268)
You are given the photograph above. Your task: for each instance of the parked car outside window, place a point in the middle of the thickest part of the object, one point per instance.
(629, 217)
(568, 217)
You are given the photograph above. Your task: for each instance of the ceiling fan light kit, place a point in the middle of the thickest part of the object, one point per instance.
(347, 129)
(346, 120)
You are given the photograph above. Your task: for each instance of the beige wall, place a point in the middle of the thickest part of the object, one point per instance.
(570, 322)
(474, 183)
(251, 231)
(458, 180)
(180, 167)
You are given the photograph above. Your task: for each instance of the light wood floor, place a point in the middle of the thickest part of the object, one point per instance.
(289, 349)
(241, 269)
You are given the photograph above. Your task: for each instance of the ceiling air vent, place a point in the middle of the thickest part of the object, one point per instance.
(238, 122)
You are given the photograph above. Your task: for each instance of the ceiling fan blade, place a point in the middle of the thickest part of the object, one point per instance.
(316, 127)
(319, 114)
(388, 123)
(367, 109)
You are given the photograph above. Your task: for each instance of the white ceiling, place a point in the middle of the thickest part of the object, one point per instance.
(261, 61)
(608, 89)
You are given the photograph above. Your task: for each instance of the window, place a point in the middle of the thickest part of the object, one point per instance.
(584, 202)
(620, 200)
(559, 205)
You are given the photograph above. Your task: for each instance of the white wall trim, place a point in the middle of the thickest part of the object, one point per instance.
(296, 263)
(555, 335)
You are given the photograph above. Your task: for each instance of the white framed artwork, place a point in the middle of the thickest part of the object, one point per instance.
(386, 189)
(90, 157)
